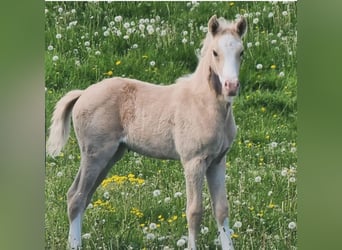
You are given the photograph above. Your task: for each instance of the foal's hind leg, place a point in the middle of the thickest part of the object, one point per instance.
(216, 183)
(94, 167)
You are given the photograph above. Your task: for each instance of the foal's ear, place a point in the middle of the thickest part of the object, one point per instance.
(213, 25)
(241, 26)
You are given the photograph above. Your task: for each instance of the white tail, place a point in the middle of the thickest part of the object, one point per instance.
(60, 127)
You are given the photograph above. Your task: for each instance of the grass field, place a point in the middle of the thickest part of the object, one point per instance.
(141, 205)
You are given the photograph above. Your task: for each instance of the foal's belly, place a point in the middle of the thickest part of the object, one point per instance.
(156, 147)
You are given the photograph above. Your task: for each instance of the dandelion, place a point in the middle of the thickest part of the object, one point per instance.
(59, 36)
(217, 242)
(284, 172)
(178, 194)
(292, 179)
(118, 19)
(126, 37)
(281, 74)
(135, 46)
(237, 224)
(257, 179)
(273, 144)
(87, 43)
(150, 29)
(118, 62)
(59, 174)
(106, 33)
(152, 63)
(106, 195)
(255, 20)
(126, 25)
(167, 200)
(97, 53)
(270, 193)
(60, 10)
(184, 32)
(181, 242)
(293, 149)
(259, 66)
(249, 45)
(249, 230)
(77, 63)
(156, 192)
(150, 236)
(50, 47)
(153, 226)
(163, 33)
(55, 58)
(257, 44)
(270, 15)
(86, 236)
(204, 230)
(263, 109)
(284, 13)
(292, 225)
(184, 40)
(273, 41)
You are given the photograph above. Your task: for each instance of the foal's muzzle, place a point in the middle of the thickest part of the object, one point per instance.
(232, 87)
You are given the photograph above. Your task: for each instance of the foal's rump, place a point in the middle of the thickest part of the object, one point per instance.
(127, 111)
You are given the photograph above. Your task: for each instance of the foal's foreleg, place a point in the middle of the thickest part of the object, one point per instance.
(216, 183)
(194, 175)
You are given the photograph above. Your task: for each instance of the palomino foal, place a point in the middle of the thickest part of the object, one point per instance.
(191, 121)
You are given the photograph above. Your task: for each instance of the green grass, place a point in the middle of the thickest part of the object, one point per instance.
(262, 164)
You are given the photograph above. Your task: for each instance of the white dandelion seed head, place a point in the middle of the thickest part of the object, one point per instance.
(106, 33)
(292, 225)
(126, 25)
(90, 206)
(257, 43)
(184, 40)
(86, 236)
(178, 194)
(249, 45)
(150, 236)
(284, 13)
(50, 47)
(257, 179)
(255, 20)
(97, 53)
(55, 58)
(217, 242)
(106, 195)
(273, 41)
(59, 36)
(237, 224)
(152, 63)
(167, 200)
(292, 179)
(281, 74)
(87, 43)
(156, 192)
(284, 172)
(153, 226)
(270, 15)
(259, 66)
(60, 10)
(204, 230)
(135, 46)
(126, 37)
(273, 144)
(181, 242)
(118, 19)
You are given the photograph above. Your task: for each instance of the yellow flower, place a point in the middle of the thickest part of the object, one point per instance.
(118, 62)
(109, 73)
(273, 66)
(234, 235)
(271, 205)
(231, 4)
(263, 109)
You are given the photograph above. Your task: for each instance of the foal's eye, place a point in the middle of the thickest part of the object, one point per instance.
(215, 53)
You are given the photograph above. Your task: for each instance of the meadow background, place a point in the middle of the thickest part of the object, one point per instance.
(142, 202)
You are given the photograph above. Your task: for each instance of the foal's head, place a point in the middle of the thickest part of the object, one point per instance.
(223, 48)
